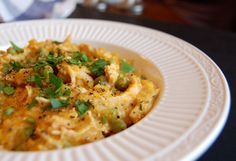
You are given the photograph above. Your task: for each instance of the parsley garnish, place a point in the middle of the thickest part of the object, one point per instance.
(16, 48)
(51, 92)
(78, 58)
(82, 107)
(54, 61)
(36, 78)
(97, 68)
(59, 103)
(53, 79)
(16, 66)
(51, 60)
(126, 67)
(40, 65)
(8, 90)
(48, 93)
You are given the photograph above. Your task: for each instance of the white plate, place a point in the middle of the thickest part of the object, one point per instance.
(189, 116)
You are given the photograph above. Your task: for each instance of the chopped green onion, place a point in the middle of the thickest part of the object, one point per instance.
(8, 90)
(9, 111)
(82, 107)
(16, 48)
(126, 67)
(59, 103)
(97, 68)
(32, 104)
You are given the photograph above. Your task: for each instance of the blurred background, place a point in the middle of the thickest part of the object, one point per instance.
(216, 14)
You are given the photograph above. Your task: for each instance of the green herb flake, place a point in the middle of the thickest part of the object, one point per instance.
(104, 119)
(16, 48)
(84, 58)
(78, 58)
(40, 65)
(82, 107)
(67, 91)
(29, 131)
(32, 104)
(47, 93)
(2, 85)
(36, 78)
(53, 79)
(74, 61)
(30, 120)
(59, 103)
(8, 90)
(9, 111)
(54, 61)
(126, 67)
(16, 66)
(6, 68)
(97, 68)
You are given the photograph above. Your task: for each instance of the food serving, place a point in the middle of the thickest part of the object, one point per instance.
(60, 94)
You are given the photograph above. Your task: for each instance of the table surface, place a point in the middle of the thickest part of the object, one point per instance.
(219, 46)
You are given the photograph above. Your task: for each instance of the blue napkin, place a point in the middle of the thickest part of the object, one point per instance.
(11, 10)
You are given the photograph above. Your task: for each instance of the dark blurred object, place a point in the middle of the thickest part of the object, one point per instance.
(128, 7)
(131, 7)
(217, 14)
(211, 13)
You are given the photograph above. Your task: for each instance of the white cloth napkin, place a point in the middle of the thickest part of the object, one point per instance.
(11, 10)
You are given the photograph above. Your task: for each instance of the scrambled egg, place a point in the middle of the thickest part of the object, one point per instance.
(60, 94)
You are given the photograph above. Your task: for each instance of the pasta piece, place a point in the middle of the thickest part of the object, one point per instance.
(144, 101)
(112, 73)
(77, 76)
